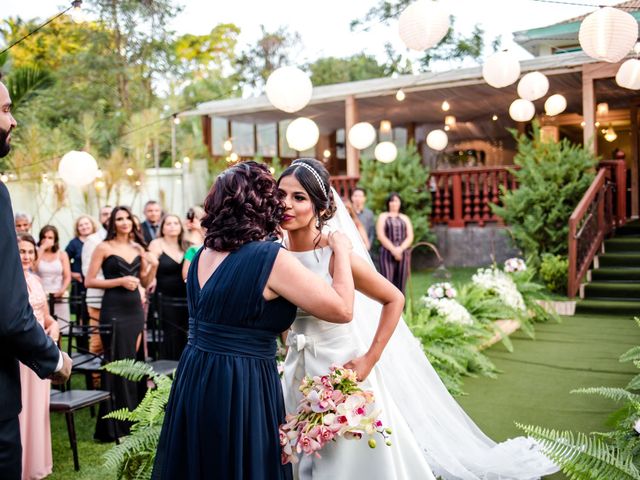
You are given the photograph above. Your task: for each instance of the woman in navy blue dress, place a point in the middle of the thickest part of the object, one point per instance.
(226, 403)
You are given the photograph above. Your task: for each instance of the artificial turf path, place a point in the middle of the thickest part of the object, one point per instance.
(537, 377)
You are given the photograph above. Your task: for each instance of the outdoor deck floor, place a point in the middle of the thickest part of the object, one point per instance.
(537, 377)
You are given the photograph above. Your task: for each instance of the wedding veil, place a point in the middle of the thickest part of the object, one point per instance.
(454, 446)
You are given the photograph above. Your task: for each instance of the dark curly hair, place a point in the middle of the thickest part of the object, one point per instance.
(324, 205)
(244, 205)
(135, 235)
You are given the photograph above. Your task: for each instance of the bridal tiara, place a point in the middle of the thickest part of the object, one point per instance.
(300, 163)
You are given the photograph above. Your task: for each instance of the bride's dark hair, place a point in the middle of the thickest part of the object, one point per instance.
(318, 187)
(243, 205)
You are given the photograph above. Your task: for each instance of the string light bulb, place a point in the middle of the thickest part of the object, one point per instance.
(610, 135)
(227, 146)
(129, 171)
(400, 95)
(445, 106)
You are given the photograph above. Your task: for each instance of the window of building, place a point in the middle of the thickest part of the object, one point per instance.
(219, 134)
(242, 138)
(267, 141)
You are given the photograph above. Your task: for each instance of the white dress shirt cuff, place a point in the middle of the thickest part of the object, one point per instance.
(60, 363)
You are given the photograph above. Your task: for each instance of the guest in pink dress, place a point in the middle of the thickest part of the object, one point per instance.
(35, 429)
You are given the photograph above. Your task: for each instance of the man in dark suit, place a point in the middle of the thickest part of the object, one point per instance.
(21, 336)
(153, 215)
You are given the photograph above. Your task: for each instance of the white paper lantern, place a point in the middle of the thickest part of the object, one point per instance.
(501, 69)
(302, 134)
(555, 104)
(533, 85)
(608, 34)
(289, 89)
(423, 24)
(78, 168)
(628, 75)
(385, 152)
(437, 140)
(362, 135)
(522, 110)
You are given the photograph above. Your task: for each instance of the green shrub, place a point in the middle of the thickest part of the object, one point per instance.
(407, 176)
(554, 271)
(552, 178)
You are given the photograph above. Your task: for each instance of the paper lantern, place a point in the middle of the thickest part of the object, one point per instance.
(423, 24)
(555, 104)
(289, 89)
(78, 168)
(533, 85)
(522, 110)
(302, 134)
(437, 140)
(501, 69)
(362, 135)
(608, 34)
(385, 152)
(628, 75)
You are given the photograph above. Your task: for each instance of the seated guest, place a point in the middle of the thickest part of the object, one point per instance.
(35, 430)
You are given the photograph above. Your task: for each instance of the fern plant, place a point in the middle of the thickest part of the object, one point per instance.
(133, 457)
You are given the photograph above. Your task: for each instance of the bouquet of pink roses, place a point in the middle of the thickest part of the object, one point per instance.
(332, 406)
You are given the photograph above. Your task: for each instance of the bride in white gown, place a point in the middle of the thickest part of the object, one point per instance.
(431, 433)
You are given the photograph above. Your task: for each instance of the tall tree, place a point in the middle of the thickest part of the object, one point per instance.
(454, 46)
(325, 71)
(271, 51)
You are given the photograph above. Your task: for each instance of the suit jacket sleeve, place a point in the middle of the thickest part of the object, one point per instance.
(20, 332)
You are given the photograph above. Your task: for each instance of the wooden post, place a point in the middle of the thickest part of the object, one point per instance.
(353, 154)
(457, 220)
(635, 151)
(590, 138)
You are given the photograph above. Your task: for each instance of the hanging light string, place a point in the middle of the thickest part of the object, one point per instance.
(74, 4)
(587, 5)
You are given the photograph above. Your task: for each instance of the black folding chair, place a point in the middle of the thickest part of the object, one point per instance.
(68, 401)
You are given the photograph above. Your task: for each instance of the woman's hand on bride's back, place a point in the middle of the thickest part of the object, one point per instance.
(362, 366)
(339, 241)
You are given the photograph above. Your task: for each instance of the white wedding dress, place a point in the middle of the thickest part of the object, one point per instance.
(315, 345)
(431, 432)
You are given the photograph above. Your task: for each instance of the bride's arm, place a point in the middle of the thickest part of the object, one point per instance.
(375, 286)
(291, 280)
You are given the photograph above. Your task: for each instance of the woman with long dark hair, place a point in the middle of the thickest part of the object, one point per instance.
(126, 265)
(226, 401)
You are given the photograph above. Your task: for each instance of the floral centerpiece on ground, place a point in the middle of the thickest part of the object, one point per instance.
(441, 300)
(332, 406)
(512, 265)
(501, 285)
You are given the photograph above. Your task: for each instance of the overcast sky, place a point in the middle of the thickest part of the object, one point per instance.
(324, 25)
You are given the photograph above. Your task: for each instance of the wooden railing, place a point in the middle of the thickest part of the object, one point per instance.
(460, 196)
(602, 208)
(344, 184)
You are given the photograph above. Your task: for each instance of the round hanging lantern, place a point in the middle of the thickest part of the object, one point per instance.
(522, 110)
(501, 69)
(362, 135)
(302, 134)
(628, 75)
(555, 104)
(289, 89)
(437, 140)
(608, 34)
(78, 168)
(385, 152)
(533, 85)
(423, 24)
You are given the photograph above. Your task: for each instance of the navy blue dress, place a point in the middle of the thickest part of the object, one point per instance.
(226, 402)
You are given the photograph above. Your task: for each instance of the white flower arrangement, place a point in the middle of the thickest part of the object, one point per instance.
(449, 309)
(442, 290)
(501, 285)
(513, 265)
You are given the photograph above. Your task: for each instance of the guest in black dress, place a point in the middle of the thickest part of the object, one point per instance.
(170, 290)
(83, 227)
(395, 234)
(126, 265)
(226, 402)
